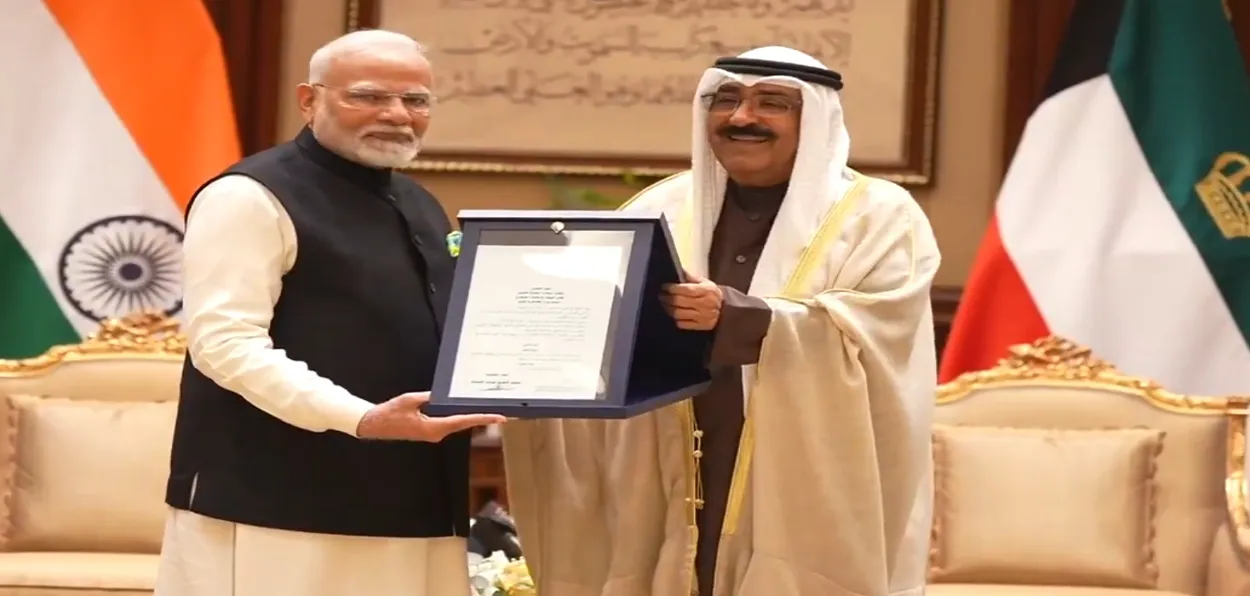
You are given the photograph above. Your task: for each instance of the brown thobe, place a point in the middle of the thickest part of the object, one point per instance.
(741, 231)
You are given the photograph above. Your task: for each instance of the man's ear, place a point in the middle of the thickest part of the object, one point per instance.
(305, 98)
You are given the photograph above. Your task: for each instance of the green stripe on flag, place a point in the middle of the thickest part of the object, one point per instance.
(1178, 72)
(30, 319)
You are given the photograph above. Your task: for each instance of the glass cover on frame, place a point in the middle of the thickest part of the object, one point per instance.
(540, 314)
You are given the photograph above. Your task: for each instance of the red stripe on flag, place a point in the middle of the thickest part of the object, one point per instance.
(996, 312)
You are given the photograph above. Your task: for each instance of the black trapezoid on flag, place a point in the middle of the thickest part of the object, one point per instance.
(1085, 52)
(121, 264)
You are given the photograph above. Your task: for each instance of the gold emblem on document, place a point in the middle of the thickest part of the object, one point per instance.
(1223, 192)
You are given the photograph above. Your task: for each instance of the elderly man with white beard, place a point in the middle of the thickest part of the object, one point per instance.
(805, 470)
(316, 287)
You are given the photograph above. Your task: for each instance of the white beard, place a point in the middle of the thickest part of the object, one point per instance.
(363, 149)
(385, 154)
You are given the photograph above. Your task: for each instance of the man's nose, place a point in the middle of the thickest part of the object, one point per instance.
(742, 115)
(395, 113)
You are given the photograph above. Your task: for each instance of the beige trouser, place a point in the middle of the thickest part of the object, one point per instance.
(201, 556)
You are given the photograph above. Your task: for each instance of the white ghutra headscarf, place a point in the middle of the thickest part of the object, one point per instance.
(820, 175)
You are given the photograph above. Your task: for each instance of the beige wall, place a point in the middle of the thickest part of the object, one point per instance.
(969, 157)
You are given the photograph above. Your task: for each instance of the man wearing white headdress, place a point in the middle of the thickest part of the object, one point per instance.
(806, 469)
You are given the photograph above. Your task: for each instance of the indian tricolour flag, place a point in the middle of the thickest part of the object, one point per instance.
(1124, 219)
(111, 114)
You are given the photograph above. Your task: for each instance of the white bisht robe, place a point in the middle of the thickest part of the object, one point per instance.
(832, 491)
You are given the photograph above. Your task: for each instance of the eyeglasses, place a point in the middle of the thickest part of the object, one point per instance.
(763, 105)
(373, 99)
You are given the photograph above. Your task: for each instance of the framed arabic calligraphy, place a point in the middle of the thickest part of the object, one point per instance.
(606, 86)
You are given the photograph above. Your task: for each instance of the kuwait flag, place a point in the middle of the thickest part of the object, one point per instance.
(1124, 220)
(112, 114)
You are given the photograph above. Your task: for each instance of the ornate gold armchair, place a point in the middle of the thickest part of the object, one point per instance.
(84, 453)
(1058, 474)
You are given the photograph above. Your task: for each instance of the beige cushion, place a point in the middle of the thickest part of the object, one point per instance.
(1045, 506)
(88, 475)
(118, 377)
(1190, 480)
(77, 574)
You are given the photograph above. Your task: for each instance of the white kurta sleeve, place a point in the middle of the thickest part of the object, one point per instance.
(239, 243)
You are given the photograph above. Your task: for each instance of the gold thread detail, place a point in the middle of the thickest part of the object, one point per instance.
(686, 418)
(140, 335)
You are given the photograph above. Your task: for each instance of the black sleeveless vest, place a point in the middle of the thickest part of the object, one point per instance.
(363, 306)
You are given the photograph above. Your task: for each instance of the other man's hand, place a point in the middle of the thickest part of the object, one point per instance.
(694, 305)
(400, 419)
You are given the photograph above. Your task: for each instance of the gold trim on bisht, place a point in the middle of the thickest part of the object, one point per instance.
(141, 335)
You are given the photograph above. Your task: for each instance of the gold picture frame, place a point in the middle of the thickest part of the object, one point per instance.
(916, 85)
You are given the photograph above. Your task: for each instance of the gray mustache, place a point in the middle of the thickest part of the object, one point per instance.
(752, 131)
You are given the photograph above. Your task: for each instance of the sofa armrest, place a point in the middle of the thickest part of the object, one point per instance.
(1228, 567)
(1227, 571)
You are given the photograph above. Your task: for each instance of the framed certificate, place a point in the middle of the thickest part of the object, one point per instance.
(557, 314)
